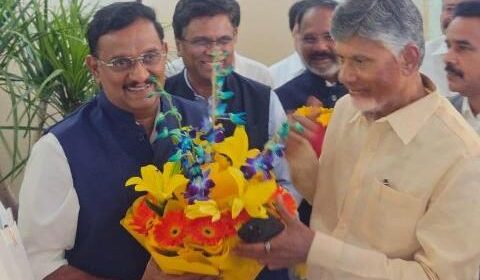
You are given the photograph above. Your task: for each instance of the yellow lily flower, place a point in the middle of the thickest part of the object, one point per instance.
(203, 209)
(322, 114)
(252, 197)
(157, 184)
(235, 148)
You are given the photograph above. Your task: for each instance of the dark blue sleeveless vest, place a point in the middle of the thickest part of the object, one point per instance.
(294, 93)
(104, 146)
(250, 97)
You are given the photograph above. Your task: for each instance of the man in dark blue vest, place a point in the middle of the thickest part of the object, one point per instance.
(203, 28)
(73, 195)
(318, 84)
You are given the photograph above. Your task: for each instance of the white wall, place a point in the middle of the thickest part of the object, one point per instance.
(264, 33)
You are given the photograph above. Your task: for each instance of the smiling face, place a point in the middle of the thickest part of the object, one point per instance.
(315, 44)
(203, 37)
(463, 57)
(373, 75)
(129, 89)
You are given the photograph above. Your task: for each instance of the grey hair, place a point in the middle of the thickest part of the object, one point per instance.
(395, 23)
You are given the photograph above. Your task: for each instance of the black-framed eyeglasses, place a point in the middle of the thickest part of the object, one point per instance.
(206, 43)
(123, 64)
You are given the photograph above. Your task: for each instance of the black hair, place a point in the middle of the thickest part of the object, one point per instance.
(309, 4)
(293, 12)
(467, 9)
(117, 16)
(186, 10)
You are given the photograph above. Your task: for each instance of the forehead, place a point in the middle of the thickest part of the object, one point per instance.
(215, 26)
(134, 39)
(316, 19)
(358, 46)
(463, 28)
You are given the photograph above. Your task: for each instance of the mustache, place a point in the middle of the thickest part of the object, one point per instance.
(134, 84)
(454, 71)
(321, 55)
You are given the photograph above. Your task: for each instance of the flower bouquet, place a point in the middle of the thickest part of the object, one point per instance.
(321, 116)
(211, 189)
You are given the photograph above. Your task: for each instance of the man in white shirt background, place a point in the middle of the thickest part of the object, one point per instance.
(243, 65)
(463, 59)
(433, 65)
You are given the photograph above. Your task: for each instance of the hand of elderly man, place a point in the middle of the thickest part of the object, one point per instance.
(302, 160)
(288, 248)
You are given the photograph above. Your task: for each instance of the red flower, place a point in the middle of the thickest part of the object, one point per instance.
(205, 232)
(142, 217)
(170, 231)
(241, 219)
(288, 200)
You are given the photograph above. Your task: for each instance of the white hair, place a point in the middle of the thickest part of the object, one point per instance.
(395, 23)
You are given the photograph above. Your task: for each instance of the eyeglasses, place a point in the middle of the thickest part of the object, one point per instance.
(123, 64)
(206, 43)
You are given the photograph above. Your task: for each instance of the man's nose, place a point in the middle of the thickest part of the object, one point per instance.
(347, 75)
(139, 72)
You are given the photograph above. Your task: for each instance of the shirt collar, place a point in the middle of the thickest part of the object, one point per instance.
(317, 78)
(197, 96)
(407, 121)
(467, 110)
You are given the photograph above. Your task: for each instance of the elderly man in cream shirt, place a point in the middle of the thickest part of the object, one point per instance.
(397, 193)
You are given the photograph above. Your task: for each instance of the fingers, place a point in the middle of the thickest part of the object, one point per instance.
(251, 250)
(304, 127)
(287, 218)
(313, 101)
(306, 122)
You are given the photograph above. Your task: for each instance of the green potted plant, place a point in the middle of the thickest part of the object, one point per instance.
(42, 71)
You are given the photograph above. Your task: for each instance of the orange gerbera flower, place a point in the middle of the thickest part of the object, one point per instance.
(241, 219)
(170, 231)
(205, 232)
(288, 200)
(142, 217)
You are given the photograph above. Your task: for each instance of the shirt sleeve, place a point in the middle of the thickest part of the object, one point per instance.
(276, 117)
(49, 207)
(447, 234)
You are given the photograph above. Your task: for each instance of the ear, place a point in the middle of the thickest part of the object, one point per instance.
(410, 59)
(92, 65)
(235, 35)
(165, 47)
(178, 44)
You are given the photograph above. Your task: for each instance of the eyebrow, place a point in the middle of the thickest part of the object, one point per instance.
(150, 50)
(463, 43)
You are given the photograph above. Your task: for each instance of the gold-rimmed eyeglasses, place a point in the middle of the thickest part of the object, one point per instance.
(124, 64)
(207, 43)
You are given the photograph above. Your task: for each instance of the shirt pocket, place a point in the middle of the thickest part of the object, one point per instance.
(394, 223)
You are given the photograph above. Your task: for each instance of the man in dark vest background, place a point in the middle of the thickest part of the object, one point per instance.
(318, 84)
(203, 28)
(73, 196)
